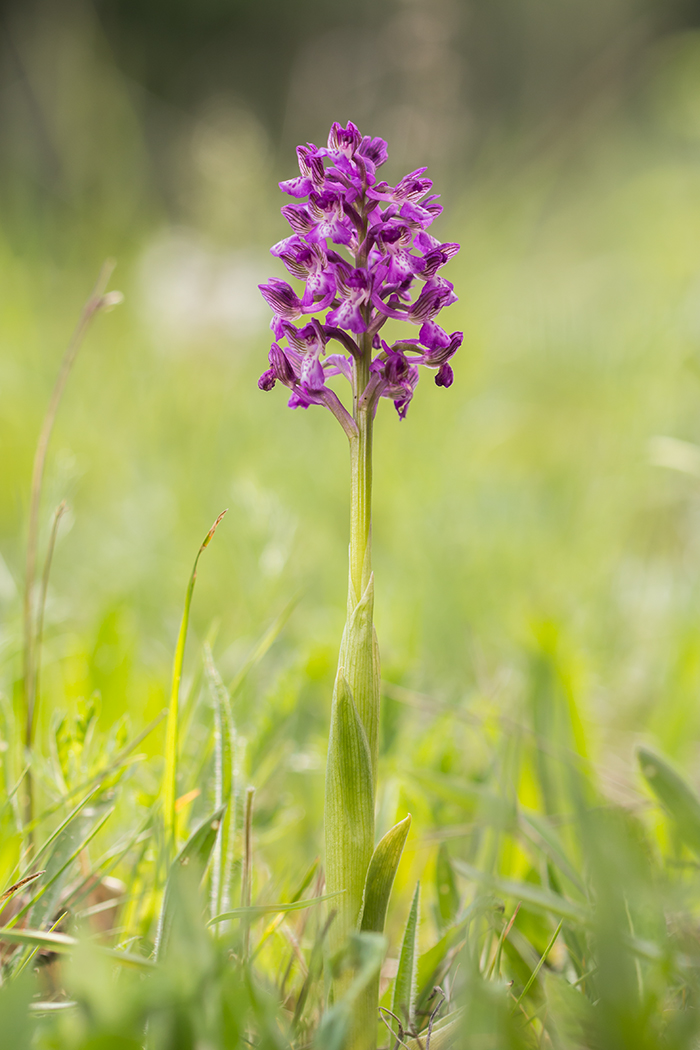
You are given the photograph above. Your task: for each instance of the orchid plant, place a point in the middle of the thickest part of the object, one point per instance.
(360, 246)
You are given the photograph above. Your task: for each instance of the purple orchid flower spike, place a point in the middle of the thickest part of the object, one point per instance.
(363, 251)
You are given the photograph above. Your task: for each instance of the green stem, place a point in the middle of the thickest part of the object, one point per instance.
(353, 745)
(361, 484)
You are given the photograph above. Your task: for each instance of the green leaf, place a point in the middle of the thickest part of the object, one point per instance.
(64, 825)
(257, 910)
(296, 896)
(193, 857)
(675, 794)
(358, 663)
(224, 785)
(197, 850)
(349, 813)
(446, 885)
(403, 1004)
(361, 958)
(67, 847)
(115, 766)
(62, 944)
(380, 876)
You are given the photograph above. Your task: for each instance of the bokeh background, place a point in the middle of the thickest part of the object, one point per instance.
(548, 502)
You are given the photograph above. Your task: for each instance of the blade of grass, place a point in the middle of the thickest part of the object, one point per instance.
(97, 301)
(540, 964)
(107, 863)
(76, 853)
(247, 874)
(12, 795)
(224, 785)
(495, 966)
(9, 893)
(539, 832)
(113, 766)
(296, 896)
(30, 955)
(675, 794)
(63, 944)
(255, 911)
(195, 856)
(315, 967)
(39, 640)
(64, 824)
(446, 888)
(169, 788)
(528, 893)
(50, 1008)
(404, 999)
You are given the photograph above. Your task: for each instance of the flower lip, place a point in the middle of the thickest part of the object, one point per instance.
(267, 379)
(445, 376)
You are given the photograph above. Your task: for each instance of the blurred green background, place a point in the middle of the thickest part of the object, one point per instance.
(566, 141)
(540, 518)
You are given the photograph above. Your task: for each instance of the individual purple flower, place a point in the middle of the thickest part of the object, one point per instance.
(280, 370)
(322, 217)
(411, 188)
(397, 378)
(420, 215)
(392, 243)
(310, 342)
(364, 254)
(312, 173)
(310, 263)
(439, 345)
(284, 302)
(344, 140)
(435, 254)
(435, 294)
(373, 150)
(350, 177)
(354, 290)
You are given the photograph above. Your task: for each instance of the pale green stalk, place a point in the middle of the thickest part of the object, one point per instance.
(353, 743)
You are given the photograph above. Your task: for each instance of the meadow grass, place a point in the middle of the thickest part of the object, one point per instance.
(537, 549)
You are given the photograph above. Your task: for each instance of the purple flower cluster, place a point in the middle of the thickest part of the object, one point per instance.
(384, 249)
